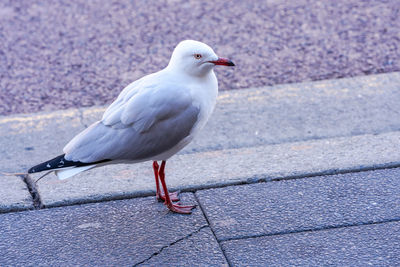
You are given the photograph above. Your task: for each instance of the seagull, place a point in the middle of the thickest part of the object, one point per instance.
(152, 119)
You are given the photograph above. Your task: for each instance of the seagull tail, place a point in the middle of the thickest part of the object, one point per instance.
(69, 172)
(64, 168)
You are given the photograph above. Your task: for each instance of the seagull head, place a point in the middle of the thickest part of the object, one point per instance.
(195, 58)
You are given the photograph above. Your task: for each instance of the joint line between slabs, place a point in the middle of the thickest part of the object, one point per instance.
(30, 184)
(39, 205)
(212, 230)
(311, 230)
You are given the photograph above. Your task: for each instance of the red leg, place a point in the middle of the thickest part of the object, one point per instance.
(160, 195)
(173, 207)
(155, 168)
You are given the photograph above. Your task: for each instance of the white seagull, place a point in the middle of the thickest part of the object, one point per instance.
(152, 119)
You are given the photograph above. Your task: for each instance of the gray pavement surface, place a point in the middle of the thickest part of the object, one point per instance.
(226, 167)
(63, 54)
(25, 138)
(263, 172)
(279, 145)
(281, 207)
(14, 194)
(367, 245)
(339, 220)
(296, 112)
(119, 233)
(255, 134)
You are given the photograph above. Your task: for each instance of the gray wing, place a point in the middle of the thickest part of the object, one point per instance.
(151, 121)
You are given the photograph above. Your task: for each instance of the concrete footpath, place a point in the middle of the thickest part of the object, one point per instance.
(299, 174)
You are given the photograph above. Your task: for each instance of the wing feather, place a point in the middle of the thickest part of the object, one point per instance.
(153, 120)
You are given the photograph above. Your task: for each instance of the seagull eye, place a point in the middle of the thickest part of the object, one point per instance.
(197, 56)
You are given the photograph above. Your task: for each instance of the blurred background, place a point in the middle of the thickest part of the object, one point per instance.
(62, 54)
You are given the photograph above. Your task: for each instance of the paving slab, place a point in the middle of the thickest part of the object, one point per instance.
(295, 112)
(302, 204)
(367, 245)
(14, 194)
(224, 167)
(26, 140)
(200, 249)
(117, 233)
(244, 118)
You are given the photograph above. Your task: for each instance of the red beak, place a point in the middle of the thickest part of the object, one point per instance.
(222, 61)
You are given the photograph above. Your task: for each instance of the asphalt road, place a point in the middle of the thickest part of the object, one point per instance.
(339, 220)
(61, 54)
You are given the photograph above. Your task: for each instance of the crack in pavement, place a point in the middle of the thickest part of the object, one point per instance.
(171, 244)
(31, 185)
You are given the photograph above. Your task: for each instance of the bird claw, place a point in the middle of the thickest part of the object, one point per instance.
(180, 209)
(174, 196)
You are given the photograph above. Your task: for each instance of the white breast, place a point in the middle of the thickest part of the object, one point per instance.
(204, 95)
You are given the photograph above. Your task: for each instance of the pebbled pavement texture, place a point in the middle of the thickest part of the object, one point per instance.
(302, 204)
(195, 250)
(339, 220)
(367, 245)
(61, 54)
(119, 233)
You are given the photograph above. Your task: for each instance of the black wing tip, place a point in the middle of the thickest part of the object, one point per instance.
(47, 165)
(60, 162)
